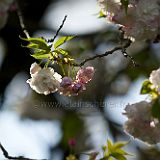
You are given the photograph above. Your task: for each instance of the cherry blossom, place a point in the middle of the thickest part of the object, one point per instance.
(84, 75)
(141, 21)
(155, 79)
(71, 87)
(34, 68)
(141, 124)
(44, 81)
(66, 81)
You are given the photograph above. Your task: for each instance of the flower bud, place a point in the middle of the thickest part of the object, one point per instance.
(84, 75)
(66, 81)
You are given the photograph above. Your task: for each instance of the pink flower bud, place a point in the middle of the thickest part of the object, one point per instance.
(85, 75)
(72, 142)
(66, 81)
(77, 87)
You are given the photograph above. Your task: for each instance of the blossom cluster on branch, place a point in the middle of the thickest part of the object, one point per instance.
(141, 124)
(46, 80)
(155, 79)
(140, 19)
(144, 117)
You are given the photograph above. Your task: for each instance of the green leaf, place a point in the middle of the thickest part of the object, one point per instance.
(119, 156)
(104, 148)
(101, 14)
(122, 152)
(120, 144)
(62, 40)
(41, 55)
(37, 43)
(125, 4)
(114, 150)
(148, 88)
(31, 46)
(156, 109)
(62, 51)
(110, 146)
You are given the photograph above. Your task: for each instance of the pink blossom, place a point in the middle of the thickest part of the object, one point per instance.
(84, 75)
(71, 87)
(72, 142)
(77, 87)
(66, 81)
(141, 124)
(66, 86)
(142, 20)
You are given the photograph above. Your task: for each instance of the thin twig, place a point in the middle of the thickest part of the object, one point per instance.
(19, 13)
(130, 57)
(6, 155)
(57, 32)
(110, 52)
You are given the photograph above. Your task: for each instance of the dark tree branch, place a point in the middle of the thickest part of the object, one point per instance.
(122, 48)
(6, 155)
(21, 21)
(57, 32)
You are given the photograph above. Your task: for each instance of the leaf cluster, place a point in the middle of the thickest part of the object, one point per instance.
(148, 88)
(53, 52)
(113, 151)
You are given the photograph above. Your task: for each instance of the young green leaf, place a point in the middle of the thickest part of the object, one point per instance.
(41, 55)
(37, 43)
(148, 88)
(120, 144)
(114, 150)
(101, 14)
(110, 146)
(62, 40)
(62, 51)
(31, 46)
(110, 158)
(119, 156)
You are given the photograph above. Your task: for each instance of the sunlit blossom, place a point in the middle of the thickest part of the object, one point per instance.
(141, 21)
(141, 124)
(44, 81)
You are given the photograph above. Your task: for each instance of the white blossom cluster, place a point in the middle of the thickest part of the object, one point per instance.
(141, 124)
(4, 7)
(142, 20)
(46, 81)
(155, 79)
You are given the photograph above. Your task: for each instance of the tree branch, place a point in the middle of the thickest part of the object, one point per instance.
(57, 32)
(6, 155)
(122, 48)
(21, 21)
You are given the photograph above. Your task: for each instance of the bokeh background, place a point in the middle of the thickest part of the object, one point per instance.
(38, 126)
